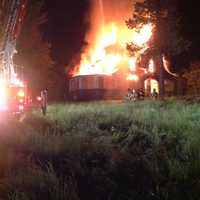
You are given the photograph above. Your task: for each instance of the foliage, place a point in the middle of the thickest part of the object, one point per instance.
(34, 53)
(143, 150)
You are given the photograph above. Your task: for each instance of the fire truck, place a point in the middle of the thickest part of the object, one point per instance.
(13, 98)
(13, 90)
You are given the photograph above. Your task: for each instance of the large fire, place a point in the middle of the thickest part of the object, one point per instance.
(106, 52)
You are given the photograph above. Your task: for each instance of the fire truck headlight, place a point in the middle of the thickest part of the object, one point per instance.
(39, 98)
(21, 107)
(21, 93)
(21, 100)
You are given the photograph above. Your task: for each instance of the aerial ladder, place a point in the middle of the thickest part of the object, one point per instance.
(12, 89)
(13, 19)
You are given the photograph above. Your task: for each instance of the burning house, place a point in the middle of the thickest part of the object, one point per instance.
(106, 69)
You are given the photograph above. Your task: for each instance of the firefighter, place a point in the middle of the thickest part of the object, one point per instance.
(154, 94)
(141, 94)
(129, 94)
(135, 95)
(44, 101)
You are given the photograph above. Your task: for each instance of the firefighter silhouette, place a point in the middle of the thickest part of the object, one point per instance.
(44, 101)
(154, 94)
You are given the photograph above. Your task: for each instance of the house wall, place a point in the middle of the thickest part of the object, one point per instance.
(97, 87)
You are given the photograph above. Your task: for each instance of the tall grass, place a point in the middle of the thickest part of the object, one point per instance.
(141, 150)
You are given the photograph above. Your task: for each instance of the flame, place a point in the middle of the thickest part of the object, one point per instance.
(109, 53)
(151, 66)
(142, 36)
(167, 67)
(132, 64)
(132, 77)
(106, 53)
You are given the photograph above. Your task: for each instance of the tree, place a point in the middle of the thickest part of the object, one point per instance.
(34, 53)
(166, 40)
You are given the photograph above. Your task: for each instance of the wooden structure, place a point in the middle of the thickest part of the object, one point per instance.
(97, 87)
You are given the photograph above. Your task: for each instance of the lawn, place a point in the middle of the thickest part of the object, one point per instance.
(103, 151)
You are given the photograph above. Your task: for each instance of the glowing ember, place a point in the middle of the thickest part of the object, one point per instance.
(151, 66)
(132, 77)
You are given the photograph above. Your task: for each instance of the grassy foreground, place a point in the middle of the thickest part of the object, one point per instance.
(103, 151)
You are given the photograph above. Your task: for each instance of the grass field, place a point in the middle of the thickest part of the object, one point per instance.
(103, 151)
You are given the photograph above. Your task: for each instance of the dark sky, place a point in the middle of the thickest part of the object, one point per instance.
(191, 27)
(66, 28)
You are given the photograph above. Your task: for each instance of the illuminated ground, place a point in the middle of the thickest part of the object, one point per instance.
(145, 150)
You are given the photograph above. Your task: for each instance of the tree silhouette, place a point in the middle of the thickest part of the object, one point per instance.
(166, 40)
(34, 53)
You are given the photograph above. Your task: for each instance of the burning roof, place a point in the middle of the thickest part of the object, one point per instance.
(108, 38)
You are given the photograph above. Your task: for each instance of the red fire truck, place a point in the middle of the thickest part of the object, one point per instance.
(13, 98)
(13, 93)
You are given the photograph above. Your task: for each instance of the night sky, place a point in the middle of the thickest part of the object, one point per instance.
(66, 29)
(191, 27)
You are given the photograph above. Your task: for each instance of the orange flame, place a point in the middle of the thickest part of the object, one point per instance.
(151, 66)
(107, 52)
(132, 77)
(132, 64)
(142, 36)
